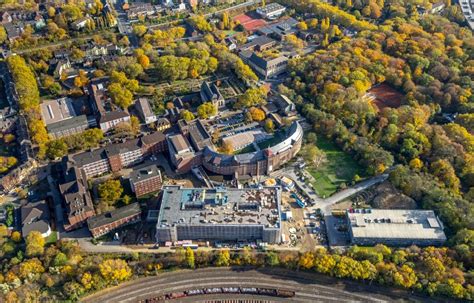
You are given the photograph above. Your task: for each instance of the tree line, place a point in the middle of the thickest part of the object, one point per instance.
(29, 100)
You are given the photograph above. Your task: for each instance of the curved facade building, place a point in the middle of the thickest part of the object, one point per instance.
(261, 162)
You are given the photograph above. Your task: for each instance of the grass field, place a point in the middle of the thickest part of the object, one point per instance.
(245, 150)
(52, 238)
(339, 168)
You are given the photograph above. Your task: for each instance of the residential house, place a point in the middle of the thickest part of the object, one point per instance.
(230, 43)
(35, 217)
(13, 31)
(138, 10)
(61, 67)
(81, 23)
(6, 17)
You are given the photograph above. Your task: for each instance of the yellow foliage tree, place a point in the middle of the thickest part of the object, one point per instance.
(115, 270)
(34, 244)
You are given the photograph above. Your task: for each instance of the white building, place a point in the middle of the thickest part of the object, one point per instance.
(271, 11)
(395, 227)
(144, 111)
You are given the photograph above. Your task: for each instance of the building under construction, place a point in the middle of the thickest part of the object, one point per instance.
(220, 214)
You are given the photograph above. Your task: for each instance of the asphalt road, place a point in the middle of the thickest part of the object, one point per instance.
(308, 287)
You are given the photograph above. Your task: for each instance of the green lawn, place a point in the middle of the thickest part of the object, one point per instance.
(277, 138)
(245, 150)
(52, 238)
(339, 168)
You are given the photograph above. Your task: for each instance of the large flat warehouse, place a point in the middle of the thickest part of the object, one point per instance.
(220, 214)
(395, 227)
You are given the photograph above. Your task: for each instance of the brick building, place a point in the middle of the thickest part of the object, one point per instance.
(104, 223)
(77, 201)
(145, 180)
(114, 157)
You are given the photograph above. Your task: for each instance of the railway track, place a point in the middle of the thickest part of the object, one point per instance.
(307, 287)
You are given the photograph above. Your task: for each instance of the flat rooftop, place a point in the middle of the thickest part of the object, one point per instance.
(144, 173)
(395, 224)
(57, 110)
(205, 206)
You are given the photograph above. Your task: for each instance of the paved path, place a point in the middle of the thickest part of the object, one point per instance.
(326, 204)
(309, 287)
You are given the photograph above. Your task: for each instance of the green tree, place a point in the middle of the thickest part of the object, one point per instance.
(73, 290)
(271, 258)
(252, 97)
(56, 149)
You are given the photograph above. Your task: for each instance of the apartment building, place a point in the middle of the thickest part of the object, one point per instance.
(145, 180)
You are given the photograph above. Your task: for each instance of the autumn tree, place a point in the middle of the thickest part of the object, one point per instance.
(269, 125)
(252, 97)
(3, 34)
(34, 244)
(257, 114)
(223, 258)
(187, 115)
(144, 61)
(31, 269)
(314, 155)
(16, 237)
(115, 270)
(206, 110)
(56, 149)
(110, 191)
(121, 96)
(227, 147)
(190, 257)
